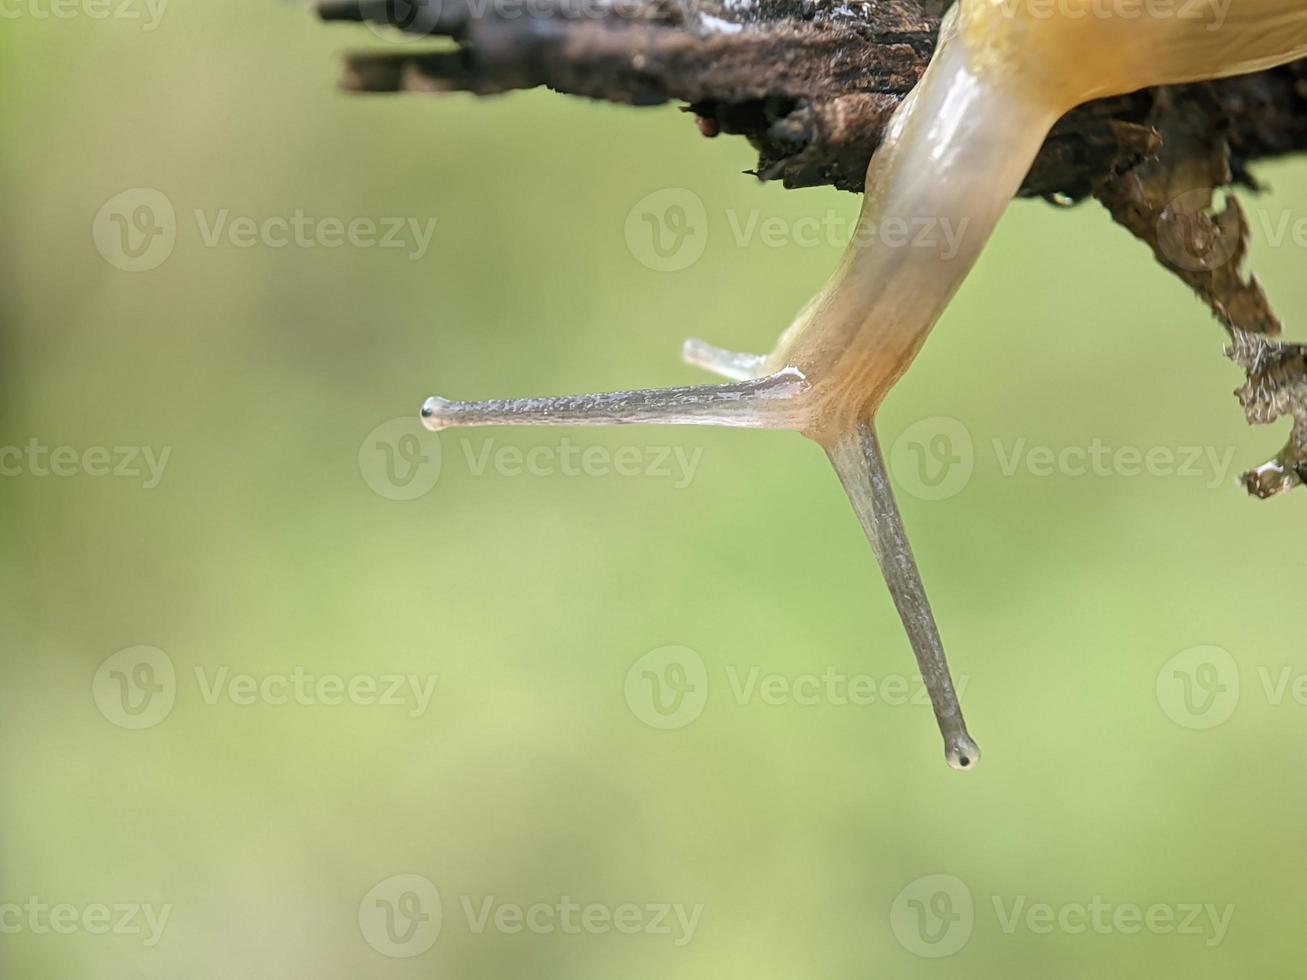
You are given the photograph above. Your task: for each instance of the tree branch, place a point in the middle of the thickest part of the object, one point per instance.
(812, 84)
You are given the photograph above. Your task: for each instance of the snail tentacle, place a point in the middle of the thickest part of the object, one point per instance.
(773, 402)
(726, 363)
(955, 152)
(860, 465)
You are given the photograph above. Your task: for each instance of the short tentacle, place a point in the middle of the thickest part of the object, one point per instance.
(727, 363)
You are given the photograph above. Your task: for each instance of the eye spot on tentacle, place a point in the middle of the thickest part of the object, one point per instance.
(962, 753)
(435, 413)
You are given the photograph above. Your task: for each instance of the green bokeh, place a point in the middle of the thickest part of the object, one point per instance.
(266, 546)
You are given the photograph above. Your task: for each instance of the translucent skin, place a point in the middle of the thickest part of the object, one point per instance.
(955, 153)
(960, 145)
(1085, 49)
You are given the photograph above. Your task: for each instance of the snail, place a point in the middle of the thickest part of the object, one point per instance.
(956, 150)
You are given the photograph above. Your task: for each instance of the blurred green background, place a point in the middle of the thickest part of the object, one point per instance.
(1121, 765)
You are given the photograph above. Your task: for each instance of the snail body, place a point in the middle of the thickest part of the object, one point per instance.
(959, 146)
(954, 154)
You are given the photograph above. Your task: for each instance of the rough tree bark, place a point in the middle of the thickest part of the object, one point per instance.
(812, 83)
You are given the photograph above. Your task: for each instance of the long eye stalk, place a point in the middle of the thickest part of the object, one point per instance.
(776, 401)
(954, 154)
(857, 459)
(772, 402)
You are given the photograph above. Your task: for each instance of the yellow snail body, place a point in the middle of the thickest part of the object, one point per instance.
(955, 152)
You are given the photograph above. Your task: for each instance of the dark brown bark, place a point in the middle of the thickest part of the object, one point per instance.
(812, 83)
